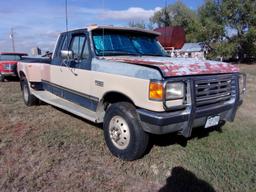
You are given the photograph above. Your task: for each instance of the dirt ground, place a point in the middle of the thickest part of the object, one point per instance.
(45, 149)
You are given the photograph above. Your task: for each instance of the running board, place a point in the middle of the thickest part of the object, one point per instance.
(66, 105)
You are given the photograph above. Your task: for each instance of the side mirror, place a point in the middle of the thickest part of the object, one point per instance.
(67, 54)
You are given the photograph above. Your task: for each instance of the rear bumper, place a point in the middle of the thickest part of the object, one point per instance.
(184, 121)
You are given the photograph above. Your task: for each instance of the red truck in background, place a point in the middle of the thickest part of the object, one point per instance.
(8, 64)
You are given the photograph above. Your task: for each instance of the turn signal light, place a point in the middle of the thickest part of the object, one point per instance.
(156, 91)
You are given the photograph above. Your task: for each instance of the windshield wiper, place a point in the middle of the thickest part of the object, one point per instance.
(152, 54)
(116, 52)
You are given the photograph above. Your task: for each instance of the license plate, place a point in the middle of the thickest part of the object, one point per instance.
(212, 121)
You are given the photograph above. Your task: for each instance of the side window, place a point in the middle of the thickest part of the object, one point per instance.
(86, 52)
(77, 44)
(64, 43)
(58, 47)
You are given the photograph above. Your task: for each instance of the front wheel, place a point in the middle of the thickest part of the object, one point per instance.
(1, 78)
(28, 98)
(123, 133)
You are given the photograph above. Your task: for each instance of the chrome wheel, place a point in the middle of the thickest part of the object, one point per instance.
(123, 132)
(119, 132)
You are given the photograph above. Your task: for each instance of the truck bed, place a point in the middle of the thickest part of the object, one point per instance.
(42, 60)
(34, 68)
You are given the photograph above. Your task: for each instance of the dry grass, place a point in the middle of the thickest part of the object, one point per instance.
(45, 149)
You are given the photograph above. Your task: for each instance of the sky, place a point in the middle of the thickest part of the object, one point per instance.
(37, 23)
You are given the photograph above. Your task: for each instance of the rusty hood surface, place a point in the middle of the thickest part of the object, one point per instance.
(178, 66)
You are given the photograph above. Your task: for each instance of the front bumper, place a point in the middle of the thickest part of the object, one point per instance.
(183, 121)
(9, 74)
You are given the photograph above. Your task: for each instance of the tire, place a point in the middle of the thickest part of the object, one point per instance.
(123, 133)
(1, 78)
(28, 98)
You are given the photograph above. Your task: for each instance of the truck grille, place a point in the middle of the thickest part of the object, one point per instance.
(10, 67)
(13, 67)
(213, 90)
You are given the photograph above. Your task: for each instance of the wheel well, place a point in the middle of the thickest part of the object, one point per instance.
(109, 99)
(22, 75)
(114, 97)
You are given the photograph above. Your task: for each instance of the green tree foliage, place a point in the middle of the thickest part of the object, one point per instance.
(214, 31)
(212, 27)
(179, 14)
(237, 18)
(229, 27)
(240, 16)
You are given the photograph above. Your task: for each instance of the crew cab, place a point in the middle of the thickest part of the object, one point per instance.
(123, 78)
(8, 64)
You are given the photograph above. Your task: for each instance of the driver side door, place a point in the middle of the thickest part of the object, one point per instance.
(70, 78)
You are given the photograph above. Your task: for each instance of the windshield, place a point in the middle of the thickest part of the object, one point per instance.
(119, 43)
(10, 57)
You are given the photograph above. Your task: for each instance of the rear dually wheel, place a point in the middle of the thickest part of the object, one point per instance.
(28, 98)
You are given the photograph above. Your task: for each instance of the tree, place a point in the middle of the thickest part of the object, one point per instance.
(212, 27)
(179, 14)
(213, 30)
(240, 16)
(230, 27)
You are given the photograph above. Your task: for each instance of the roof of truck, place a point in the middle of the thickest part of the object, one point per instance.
(110, 27)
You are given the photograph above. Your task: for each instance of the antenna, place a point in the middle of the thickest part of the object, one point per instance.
(67, 60)
(166, 14)
(103, 30)
(12, 38)
(165, 23)
(66, 16)
(66, 13)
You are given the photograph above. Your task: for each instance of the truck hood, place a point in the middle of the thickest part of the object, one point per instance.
(178, 66)
(8, 62)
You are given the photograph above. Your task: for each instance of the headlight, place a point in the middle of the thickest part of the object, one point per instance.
(7, 67)
(174, 90)
(242, 83)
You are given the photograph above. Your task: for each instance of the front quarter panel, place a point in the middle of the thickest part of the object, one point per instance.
(130, 80)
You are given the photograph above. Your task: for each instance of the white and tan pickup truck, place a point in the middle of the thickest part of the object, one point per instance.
(123, 78)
